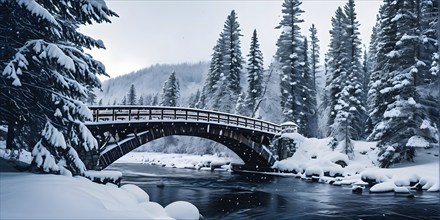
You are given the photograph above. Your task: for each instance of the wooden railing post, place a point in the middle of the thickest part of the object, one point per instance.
(129, 114)
(161, 114)
(113, 114)
(186, 114)
(97, 115)
(208, 116)
(218, 118)
(175, 114)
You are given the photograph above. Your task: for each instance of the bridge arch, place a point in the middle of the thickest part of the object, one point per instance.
(138, 125)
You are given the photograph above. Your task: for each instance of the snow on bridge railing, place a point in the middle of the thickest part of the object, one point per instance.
(148, 113)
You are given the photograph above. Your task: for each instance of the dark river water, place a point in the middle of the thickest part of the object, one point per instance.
(224, 195)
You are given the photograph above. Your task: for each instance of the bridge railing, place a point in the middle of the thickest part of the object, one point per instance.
(149, 113)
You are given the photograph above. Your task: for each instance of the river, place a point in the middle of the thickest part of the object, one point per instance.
(225, 195)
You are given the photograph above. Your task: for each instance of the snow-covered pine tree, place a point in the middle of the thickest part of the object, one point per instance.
(336, 65)
(141, 100)
(255, 75)
(406, 124)
(215, 69)
(155, 100)
(355, 73)
(308, 94)
(131, 96)
(223, 81)
(374, 79)
(45, 74)
(232, 59)
(194, 99)
(345, 79)
(201, 103)
(171, 91)
(241, 108)
(290, 48)
(124, 100)
(314, 53)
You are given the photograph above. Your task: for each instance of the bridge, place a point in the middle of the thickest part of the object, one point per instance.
(121, 129)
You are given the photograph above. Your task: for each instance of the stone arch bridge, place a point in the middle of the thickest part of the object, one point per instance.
(121, 129)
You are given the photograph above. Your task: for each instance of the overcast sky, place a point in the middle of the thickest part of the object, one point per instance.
(162, 31)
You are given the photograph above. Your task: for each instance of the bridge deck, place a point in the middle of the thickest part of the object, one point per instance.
(127, 114)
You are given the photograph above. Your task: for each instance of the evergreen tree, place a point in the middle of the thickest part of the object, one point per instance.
(356, 75)
(314, 53)
(201, 103)
(223, 81)
(124, 100)
(194, 99)
(100, 102)
(232, 59)
(308, 94)
(374, 79)
(131, 96)
(405, 123)
(241, 108)
(155, 100)
(141, 100)
(290, 48)
(45, 74)
(345, 80)
(215, 69)
(170, 91)
(114, 102)
(255, 75)
(336, 65)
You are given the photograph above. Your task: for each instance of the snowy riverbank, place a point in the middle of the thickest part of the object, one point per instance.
(26, 195)
(178, 160)
(314, 158)
(34, 196)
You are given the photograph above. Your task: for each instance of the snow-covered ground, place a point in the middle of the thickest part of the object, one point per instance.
(44, 196)
(178, 160)
(314, 157)
(34, 196)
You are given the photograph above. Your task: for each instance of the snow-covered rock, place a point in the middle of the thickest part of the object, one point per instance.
(373, 176)
(383, 187)
(182, 210)
(401, 190)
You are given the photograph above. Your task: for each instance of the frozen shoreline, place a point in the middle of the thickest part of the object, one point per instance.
(323, 167)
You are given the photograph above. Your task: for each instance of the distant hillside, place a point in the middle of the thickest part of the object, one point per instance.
(149, 81)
